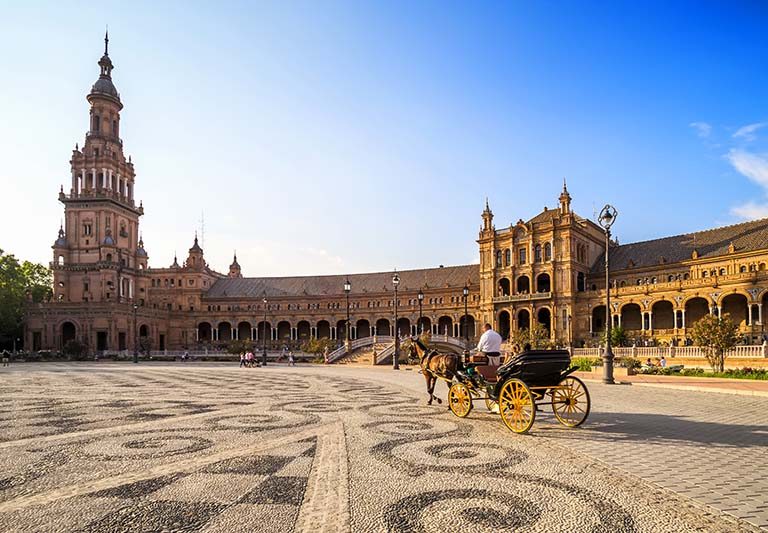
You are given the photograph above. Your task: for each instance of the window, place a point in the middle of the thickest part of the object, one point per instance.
(742, 269)
(521, 256)
(87, 228)
(704, 274)
(547, 252)
(722, 272)
(580, 282)
(498, 258)
(96, 123)
(537, 253)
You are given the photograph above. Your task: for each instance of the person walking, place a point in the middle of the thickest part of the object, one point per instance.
(6, 358)
(242, 359)
(291, 361)
(490, 345)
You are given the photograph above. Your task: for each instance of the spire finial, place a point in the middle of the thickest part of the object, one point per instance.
(565, 187)
(487, 207)
(106, 41)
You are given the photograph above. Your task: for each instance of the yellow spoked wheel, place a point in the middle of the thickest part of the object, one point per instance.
(459, 400)
(516, 406)
(493, 406)
(570, 402)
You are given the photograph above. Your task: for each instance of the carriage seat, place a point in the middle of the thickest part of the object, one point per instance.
(488, 372)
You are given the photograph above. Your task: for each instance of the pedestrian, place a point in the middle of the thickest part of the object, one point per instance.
(242, 359)
(6, 358)
(325, 355)
(663, 362)
(291, 361)
(490, 345)
(185, 356)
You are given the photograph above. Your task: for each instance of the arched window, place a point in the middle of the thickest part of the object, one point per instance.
(498, 258)
(580, 282)
(61, 260)
(537, 253)
(507, 257)
(547, 252)
(670, 278)
(686, 276)
(96, 123)
(114, 128)
(704, 274)
(742, 269)
(722, 272)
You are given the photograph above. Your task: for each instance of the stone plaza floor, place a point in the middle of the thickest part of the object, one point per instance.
(210, 447)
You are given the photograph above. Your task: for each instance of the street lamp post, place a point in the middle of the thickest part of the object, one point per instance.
(347, 289)
(264, 336)
(396, 355)
(420, 327)
(135, 335)
(607, 218)
(465, 292)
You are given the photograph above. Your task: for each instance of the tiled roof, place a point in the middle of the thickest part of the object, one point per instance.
(746, 237)
(378, 282)
(545, 216)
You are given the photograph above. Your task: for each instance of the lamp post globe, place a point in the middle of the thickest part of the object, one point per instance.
(135, 334)
(264, 337)
(396, 355)
(606, 219)
(420, 327)
(347, 290)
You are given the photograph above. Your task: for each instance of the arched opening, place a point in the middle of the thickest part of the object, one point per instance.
(68, 332)
(323, 330)
(425, 326)
(507, 257)
(467, 327)
(143, 330)
(363, 328)
(523, 320)
(498, 258)
(580, 282)
(523, 285)
(204, 332)
(382, 327)
(663, 315)
(504, 287)
(341, 329)
(225, 331)
(735, 305)
(543, 283)
(537, 253)
(504, 325)
(264, 331)
(244, 331)
(695, 310)
(445, 326)
(403, 326)
(631, 317)
(284, 331)
(303, 330)
(544, 317)
(598, 319)
(547, 252)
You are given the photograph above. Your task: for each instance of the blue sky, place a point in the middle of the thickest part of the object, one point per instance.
(333, 137)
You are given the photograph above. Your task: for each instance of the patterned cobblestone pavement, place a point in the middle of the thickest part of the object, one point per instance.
(195, 447)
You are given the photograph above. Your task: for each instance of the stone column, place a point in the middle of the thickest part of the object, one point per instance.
(760, 314)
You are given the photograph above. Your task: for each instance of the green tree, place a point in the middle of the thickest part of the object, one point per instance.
(716, 335)
(618, 336)
(16, 281)
(239, 346)
(317, 346)
(537, 336)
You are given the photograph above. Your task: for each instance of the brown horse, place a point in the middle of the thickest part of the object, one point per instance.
(433, 364)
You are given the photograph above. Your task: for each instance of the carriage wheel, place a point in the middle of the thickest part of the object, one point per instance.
(459, 400)
(516, 405)
(570, 402)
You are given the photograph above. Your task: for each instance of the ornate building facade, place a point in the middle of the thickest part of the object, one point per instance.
(548, 270)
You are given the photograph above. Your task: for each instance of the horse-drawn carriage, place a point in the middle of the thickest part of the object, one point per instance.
(514, 389)
(517, 387)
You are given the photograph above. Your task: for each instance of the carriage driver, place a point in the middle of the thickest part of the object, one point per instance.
(490, 345)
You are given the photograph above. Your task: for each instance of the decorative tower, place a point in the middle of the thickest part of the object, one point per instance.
(99, 257)
(234, 269)
(487, 219)
(195, 259)
(565, 200)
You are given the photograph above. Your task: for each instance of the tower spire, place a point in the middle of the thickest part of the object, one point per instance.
(106, 42)
(565, 200)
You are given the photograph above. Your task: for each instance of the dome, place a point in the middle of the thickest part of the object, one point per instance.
(104, 85)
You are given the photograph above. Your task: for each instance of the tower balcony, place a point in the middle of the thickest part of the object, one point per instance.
(103, 135)
(101, 194)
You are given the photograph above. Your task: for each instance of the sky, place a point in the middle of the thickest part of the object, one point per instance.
(340, 137)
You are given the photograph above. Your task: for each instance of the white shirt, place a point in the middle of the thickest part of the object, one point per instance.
(490, 341)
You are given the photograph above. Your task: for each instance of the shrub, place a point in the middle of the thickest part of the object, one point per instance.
(75, 350)
(585, 364)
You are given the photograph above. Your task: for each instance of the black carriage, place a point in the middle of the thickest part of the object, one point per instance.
(514, 389)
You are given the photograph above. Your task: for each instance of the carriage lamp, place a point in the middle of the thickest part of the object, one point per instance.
(396, 355)
(607, 217)
(420, 327)
(347, 290)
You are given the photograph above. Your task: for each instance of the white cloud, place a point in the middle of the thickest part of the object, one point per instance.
(748, 132)
(754, 167)
(702, 128)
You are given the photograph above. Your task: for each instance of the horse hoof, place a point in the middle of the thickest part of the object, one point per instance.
(439, 400)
